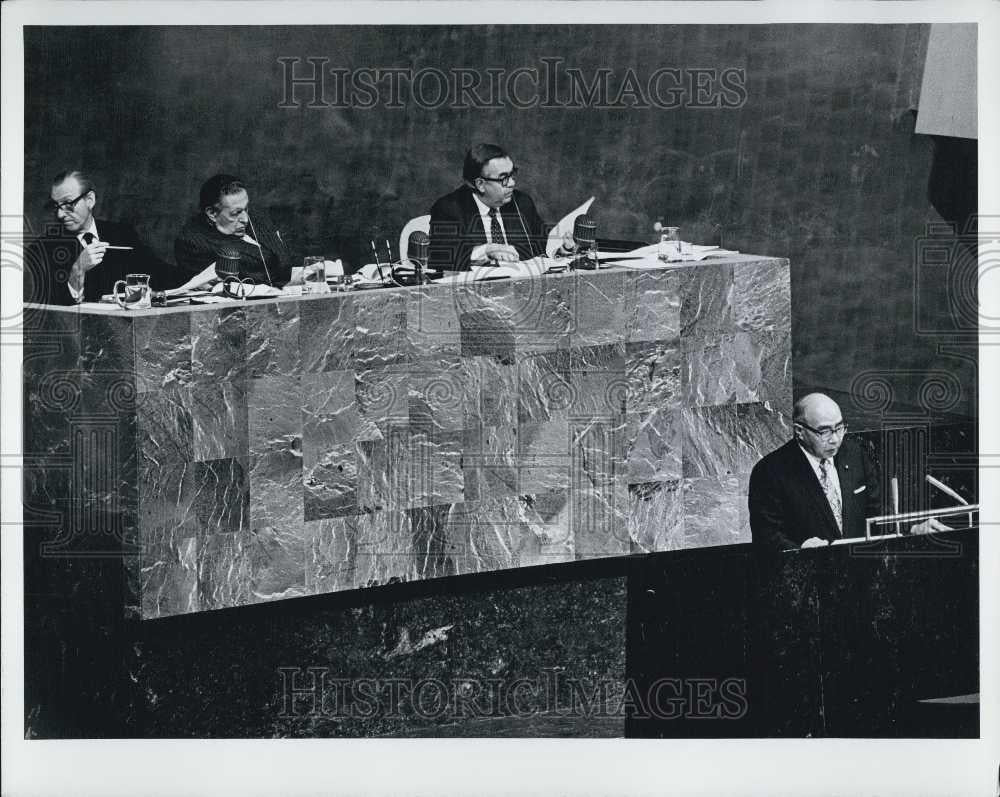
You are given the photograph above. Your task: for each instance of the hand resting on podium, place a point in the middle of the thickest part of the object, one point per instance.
(929, 526)
(490, 254)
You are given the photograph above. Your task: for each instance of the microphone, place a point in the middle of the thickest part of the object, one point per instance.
(531, 246)
(945, 489)
(260, 250)
(585, 237)
(227, 268)
(227, 264)
(378, 263)
(417, 252)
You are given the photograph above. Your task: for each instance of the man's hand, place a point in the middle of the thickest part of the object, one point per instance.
(929, 526)
(91, 256)
(814, 542)
(494, 253)
(568, 245)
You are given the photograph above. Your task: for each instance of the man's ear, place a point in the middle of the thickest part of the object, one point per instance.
(90, 199)
(798, 431)
(211, 213)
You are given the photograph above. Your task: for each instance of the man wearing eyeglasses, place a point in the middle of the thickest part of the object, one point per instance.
(86, 256)
(818, 487)
(486, 221)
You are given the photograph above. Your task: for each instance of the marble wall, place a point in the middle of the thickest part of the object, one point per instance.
(309, 445)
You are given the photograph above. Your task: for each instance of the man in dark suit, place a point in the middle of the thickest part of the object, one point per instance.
(487, 220)
(82, 259)
(818, 487)
(222, 225)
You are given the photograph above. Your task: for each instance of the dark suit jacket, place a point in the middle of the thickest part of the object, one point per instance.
(48, 260)
(199, 242)
(457, 229)
(787, 503)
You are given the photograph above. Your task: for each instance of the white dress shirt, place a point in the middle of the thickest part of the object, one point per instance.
(484, 214)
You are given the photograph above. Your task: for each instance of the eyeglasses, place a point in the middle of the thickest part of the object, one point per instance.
(68, 206)
(503, 179)
(825, 432)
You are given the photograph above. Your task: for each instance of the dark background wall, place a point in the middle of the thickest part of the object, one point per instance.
(819, 164)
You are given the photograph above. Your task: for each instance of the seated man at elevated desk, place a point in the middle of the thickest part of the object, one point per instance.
(486, 220)
(818, 487)
(222, 225)
(82, 260)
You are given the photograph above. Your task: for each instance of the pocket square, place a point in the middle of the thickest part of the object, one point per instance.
(861, 489)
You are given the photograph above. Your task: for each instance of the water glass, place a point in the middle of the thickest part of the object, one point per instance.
(670, 245)
(314, 274)
(135, 292)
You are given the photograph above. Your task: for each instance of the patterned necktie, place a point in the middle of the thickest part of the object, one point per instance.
(496, 234)
(88, 238)
(831, 493)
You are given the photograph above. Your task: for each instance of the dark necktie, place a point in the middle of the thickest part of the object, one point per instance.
(88, 238)
(832, 496)
(496, 234)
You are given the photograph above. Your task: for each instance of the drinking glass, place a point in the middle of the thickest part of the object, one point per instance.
(670, 244)
(314, 274)
(135, 294)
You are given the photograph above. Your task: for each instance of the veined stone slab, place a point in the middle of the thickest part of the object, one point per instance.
(271, 449)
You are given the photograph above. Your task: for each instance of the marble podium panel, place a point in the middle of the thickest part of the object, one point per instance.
(239, 453)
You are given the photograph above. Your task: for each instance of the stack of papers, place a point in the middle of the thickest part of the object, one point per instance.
(646, 257)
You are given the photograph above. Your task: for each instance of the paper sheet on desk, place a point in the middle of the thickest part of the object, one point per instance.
(256, 291)
(648, 256)
(332, 268)
(205, 278)
(534, 267)
(565, 226)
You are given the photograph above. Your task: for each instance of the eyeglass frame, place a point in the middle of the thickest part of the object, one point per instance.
(825, 434)
(503, 179)
(67, 205)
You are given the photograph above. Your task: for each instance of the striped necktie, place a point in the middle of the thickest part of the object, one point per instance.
(832, 495)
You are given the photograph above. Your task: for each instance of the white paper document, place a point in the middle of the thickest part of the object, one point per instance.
(648, 256)
(203, 280)
(534, 267)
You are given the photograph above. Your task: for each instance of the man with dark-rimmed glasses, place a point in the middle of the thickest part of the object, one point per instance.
(818, 487)
(83, 258)
(487, 220)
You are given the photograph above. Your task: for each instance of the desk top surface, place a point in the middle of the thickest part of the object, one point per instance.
(100, 308)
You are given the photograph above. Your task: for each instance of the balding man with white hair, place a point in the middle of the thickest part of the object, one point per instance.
(818, 487)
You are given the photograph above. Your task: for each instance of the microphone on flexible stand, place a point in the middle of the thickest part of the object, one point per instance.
(260, 249)
(417, 252)
(531, 246)
(585, 238)
(378, 263)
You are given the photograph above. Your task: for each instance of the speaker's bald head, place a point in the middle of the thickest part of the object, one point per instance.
(816, 416)
(814, 404)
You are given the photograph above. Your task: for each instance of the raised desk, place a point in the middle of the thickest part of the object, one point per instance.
(303, 445)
